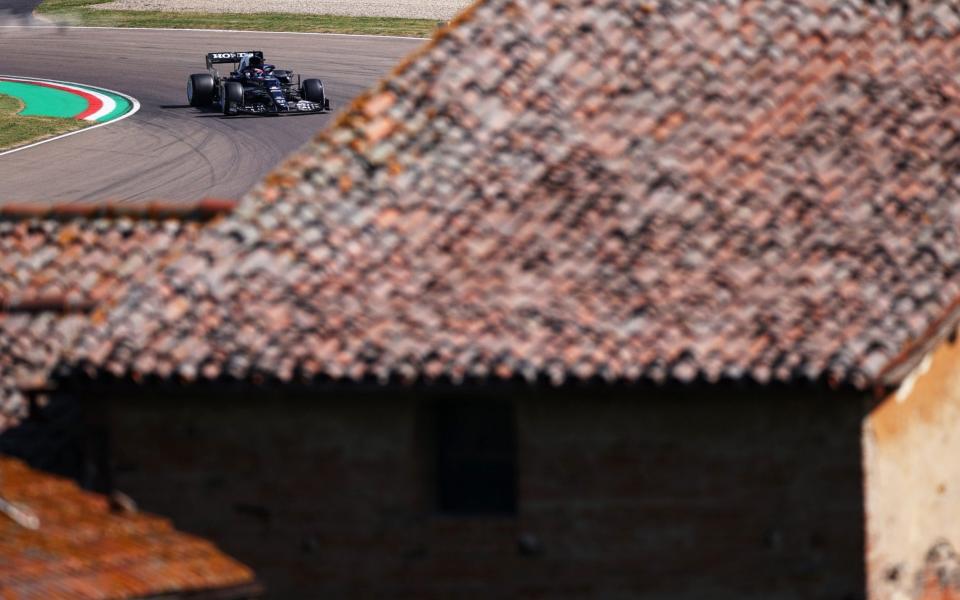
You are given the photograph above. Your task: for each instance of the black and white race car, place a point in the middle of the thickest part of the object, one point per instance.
(253, 87)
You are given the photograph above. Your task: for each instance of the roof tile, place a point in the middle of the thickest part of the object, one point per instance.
(83, 549)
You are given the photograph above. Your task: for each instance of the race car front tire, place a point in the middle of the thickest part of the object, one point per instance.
(313, 91)
(232, 96)
(200, 89)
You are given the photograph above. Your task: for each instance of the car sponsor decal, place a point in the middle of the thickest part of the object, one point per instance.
(66, 100)
(230, 55)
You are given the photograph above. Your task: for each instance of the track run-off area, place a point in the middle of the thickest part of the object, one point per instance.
(166, 150)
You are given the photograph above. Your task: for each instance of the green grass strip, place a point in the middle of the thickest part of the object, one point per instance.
(79, 12)
(19, 130)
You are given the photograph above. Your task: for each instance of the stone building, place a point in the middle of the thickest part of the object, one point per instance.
(624, 299)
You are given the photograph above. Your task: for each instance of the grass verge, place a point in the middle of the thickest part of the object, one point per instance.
(80, 12)
(17, 130)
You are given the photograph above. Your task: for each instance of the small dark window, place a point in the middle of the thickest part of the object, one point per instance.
(476, 457)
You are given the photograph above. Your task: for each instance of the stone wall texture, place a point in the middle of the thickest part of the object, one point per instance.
(911, 446)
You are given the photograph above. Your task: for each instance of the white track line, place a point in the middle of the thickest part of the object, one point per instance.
(134, 107)
(108, 105)
(246, 31)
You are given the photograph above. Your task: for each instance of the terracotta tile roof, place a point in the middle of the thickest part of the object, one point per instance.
(759, 190)
(83, 549)
(59, 263)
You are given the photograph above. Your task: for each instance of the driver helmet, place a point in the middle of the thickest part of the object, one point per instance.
(255, 63)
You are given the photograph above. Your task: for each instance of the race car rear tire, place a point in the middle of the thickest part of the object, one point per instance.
(313, 91)
(200, 89)
(232, 96)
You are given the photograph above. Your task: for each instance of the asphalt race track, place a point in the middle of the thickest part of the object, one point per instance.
(169, 150)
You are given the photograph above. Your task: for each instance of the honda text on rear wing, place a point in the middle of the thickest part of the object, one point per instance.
(217, 58)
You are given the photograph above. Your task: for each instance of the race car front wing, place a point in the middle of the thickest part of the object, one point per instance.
(291, 107)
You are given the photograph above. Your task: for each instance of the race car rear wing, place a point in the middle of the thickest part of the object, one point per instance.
(215, 58)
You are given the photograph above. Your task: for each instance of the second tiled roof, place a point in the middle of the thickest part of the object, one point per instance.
(81, 549)
(60, 265)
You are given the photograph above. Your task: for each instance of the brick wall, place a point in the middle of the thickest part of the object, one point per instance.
(630, 493)
(697, 496)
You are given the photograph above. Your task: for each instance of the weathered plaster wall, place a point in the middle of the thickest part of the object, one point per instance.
(702, 494)
(911, 447)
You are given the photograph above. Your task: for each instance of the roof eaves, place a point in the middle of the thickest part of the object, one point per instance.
(57, 303)
(897, 369)
(244, 591)
(204, 210)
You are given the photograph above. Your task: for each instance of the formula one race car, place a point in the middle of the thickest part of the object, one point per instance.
(253, 87)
